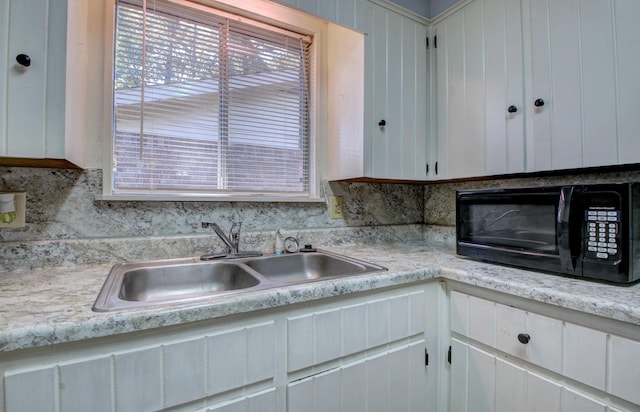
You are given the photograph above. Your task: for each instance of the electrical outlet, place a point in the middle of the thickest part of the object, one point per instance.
(335, 207)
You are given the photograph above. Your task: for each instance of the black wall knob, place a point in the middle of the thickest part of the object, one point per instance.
(23, 60)
(512, 109)
(538, 103)
(524, 338)
(382, 123)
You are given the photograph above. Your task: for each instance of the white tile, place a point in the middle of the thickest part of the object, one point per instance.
(300, 342)
(138, 380)
(377, 323)
(86, 385)
(624, 370)
(328, 340)
(30, 391)
(354, 329)
(260, 352)
(482, 324)
(399, 317)
(585, 353)
(226, 361)
(459, 306)
(184, 371)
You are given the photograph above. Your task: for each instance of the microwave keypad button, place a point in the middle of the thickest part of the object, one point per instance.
(602, 255)
(592, 239)
(592, 217)
(612, 218)
(602, 244)
(592, 249)
(612, 251)
(602, 213)
(602, 218)
(592, 212)
(592, 243)
(612, 213)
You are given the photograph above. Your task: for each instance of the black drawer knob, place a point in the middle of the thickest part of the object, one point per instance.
(23, 60)
(538, 103)
(512, 109)
(524, 338)
(382, 123)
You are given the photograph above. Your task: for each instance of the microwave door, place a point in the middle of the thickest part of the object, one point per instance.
(526, 223)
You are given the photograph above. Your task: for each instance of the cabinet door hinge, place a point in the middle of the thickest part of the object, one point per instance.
(426, 357)
(427, 169)
(435, 41)
(449, 355)
(427, 42)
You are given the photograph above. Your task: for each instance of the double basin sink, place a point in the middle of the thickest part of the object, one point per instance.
(144, 284)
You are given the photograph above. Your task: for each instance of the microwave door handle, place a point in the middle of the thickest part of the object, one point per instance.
(567, 263)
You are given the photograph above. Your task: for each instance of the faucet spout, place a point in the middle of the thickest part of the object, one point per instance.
(218, 231)
(232, 242)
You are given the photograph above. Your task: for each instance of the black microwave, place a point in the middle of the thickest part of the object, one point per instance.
(587, 231)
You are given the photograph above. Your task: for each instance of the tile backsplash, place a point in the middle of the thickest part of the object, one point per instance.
(65, 225)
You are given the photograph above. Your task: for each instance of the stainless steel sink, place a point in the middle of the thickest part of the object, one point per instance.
(168, 282)
(303, 267)
(144, 284)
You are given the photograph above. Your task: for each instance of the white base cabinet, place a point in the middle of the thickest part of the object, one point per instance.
(357, 353)
(390, 381)
(504, 358)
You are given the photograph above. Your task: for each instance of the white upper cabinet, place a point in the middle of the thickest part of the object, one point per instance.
(537, 85)
(32, 78)
(393, 144)
(50, 90)
(583, 69)
(479, 78)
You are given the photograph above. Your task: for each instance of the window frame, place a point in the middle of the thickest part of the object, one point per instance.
(263, 11)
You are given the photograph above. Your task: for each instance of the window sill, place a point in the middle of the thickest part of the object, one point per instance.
(205, 198)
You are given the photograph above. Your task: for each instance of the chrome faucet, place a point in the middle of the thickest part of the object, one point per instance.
(232, 241)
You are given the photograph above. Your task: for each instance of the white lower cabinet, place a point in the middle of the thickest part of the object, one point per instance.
(482, 381)
(135, 375)
(366, 355)
(504, 358)
(390, 381)
(357, 353)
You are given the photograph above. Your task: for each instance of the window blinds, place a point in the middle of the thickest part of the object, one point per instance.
(206, 103)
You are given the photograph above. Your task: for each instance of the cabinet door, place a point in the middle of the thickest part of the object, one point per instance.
(582, 56)
(480, 381)
(390, 381)
(32, 97)
(396, 125)
(479, 80)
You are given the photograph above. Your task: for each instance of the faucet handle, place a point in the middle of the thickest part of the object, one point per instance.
(234, 232)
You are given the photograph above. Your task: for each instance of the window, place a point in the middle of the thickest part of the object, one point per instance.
(206, 102)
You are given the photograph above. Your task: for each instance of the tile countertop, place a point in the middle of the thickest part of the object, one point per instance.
(49, 306)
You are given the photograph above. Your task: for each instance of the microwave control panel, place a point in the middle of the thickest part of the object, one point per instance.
(602, 233)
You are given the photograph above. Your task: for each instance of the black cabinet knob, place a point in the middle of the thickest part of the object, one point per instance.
(382, 123)
(524, 338)
(538, 103)
(23, 60)
(512, 109)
